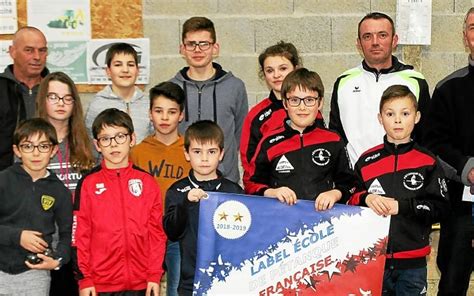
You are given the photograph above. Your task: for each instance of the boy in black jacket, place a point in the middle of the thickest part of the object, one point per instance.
(204, 149)
(32, 201)
(402, 179)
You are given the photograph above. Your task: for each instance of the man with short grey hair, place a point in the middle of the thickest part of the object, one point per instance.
(450, 135)
(19, 85)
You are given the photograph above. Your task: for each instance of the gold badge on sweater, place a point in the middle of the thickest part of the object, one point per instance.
(47, 202)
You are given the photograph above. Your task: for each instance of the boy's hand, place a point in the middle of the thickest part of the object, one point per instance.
(88, 292)
(327, 199)
(152, 289)
(48, 263)
(381, 205)
(196, 194)
(32, 241)
(284, 194)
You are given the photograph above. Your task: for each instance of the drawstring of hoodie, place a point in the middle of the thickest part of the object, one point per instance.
(186, 105)
(186, 110)
(214, 99)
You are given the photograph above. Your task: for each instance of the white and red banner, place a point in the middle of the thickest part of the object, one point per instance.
(251, 245)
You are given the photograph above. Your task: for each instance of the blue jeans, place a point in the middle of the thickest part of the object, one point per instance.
(173, 265)
(405, 282)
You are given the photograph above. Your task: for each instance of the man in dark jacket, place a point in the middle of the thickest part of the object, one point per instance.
(19, 85)
(449, 135)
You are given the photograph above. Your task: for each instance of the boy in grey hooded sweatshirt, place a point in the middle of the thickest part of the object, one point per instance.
(211, 92)
(122, 69)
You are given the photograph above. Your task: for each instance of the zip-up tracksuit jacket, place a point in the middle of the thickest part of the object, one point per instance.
(118, 239)
(263, 118)
(222, 99)
(181, 221)
(410, 174)
(28, 205)
(355, 104)
(309, 163)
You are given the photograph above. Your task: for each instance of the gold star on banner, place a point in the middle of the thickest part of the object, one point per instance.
(223, 216)
(238, 217)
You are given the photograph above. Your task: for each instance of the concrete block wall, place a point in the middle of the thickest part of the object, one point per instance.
(324, 31)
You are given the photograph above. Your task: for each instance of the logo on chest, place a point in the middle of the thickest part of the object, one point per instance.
(284, 165)
(376, 188)
(100, 188)
(47, 202)
(321, 157)
(135, 186)
(413, 181)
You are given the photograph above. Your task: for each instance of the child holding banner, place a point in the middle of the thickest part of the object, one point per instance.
(204, 149)
(402, 179)
(302, 159)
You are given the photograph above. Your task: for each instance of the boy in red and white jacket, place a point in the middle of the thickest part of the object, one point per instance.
(402, 179)
(118, 239)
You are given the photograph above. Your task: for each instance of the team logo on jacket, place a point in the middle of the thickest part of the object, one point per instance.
(284, 165)
(413, 181)
(47, 202)
(100, 188)
(321, 156)
(376, 188)
(265, 114)
(135, 186)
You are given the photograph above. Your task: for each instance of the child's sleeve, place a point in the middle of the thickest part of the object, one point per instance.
(157, 238)
(433, 205)
(81, 236)
(343, 175)
(9, 236)
(259, 173)
(63, 217)
(175, 218)
(360, 191)
(242, 108)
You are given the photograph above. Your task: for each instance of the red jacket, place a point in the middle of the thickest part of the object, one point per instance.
(118, 239)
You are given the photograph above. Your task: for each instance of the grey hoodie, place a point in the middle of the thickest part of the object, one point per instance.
(222, 99)
(137, 108)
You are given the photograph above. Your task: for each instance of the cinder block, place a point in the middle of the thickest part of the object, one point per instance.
(259, 7)
(344, 33)
(433, 70)
(179, 7)
(164, 35)
(310, 34)
(164, 68)
(235, 35)
(462, 6)
(387, 7)
(330, 66)
(446, 33)
(244, 67)
(443, 6)
(336, 7)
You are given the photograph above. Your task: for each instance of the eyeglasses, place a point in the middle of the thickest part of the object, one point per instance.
(29, 147)
(308, 101)
(119, 138)
(203, 45)
(54, 98)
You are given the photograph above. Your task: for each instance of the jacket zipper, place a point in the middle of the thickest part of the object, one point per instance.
(199, 100)
(395, 165)
(124, 219)
(302, 161)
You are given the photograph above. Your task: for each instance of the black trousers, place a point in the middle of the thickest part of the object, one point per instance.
(63, 282)
(455, 254)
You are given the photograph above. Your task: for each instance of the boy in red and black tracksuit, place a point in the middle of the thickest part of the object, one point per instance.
(118, 239)
(301, 160)
(402, 179)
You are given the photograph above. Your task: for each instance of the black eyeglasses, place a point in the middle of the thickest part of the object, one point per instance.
(308, 101)
(119, 138)
(54, 98)
(203, 45)
(29, 147)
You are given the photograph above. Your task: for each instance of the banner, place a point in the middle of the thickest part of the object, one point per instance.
(250, 245)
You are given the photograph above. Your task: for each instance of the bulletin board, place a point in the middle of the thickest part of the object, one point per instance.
(109, 19)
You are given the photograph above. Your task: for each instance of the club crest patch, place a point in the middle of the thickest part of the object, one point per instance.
(135, 186)
(47, 202)
(321, 156)
(413, 181)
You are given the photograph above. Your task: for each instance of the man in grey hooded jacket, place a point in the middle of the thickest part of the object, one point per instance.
(211, 92)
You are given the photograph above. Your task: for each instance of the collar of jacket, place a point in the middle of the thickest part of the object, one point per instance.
(396, 66)
(116, 172)
(19, 170)
(291, 130)
(219, 72)
(272, 97)
(8, 73)
(209, 185)
(398, 148)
